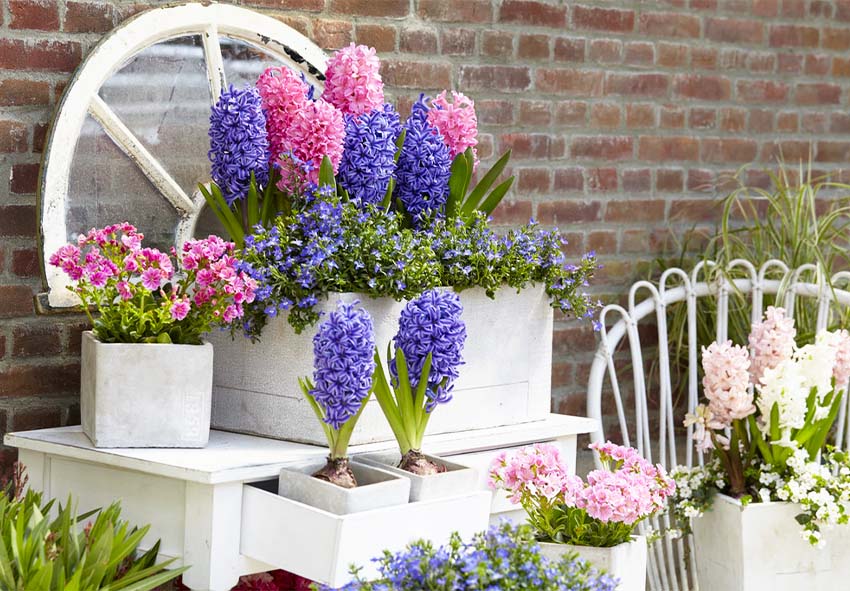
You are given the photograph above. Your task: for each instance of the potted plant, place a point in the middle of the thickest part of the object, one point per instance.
(427, 355)
(342, 382)
(333, 196)
(503, 557)
(146, 373)
(597, 518)
(768, 473)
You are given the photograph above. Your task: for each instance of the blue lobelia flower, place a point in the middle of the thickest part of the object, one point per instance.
(368, 160)
(424, 166)
(238, 142)
(343, 351)
(432, 323)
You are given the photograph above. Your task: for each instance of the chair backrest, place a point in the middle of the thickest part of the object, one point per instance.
(655, 437)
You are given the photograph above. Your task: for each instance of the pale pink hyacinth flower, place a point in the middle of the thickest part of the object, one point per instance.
(353, 81)
(841, 371)
(726, 382)
(456, 121)
(771, 341)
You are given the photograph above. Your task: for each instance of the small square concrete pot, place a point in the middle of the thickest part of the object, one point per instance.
(626, 562)
(145, 395)
(456, 480)
(375, 489)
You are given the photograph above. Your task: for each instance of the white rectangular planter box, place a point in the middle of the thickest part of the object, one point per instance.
(759, 547)
(626, 562)
(456, 480)
(322, 546)
(375, 488)
(506, 379)
(145, 395)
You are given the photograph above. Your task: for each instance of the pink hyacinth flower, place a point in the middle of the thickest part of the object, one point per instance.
(353, 81)
(284, 94)
(772, 341)
(841, 371)
(456, 122)
(726, 382)
(317, 131)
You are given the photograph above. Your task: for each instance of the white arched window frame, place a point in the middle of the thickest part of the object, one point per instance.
(81, 99)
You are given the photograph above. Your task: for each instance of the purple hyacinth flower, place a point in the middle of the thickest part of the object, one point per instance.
(238, 142)
(343, 351)
(368, 160)
(432, 323)
(424, 166)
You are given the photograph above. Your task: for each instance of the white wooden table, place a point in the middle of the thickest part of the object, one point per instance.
(193, 498)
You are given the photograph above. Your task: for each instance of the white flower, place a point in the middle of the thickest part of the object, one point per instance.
(764, 494)
(784, 386)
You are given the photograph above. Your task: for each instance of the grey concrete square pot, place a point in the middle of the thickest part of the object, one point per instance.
(456, 480)
(145, 395)
(375, 489)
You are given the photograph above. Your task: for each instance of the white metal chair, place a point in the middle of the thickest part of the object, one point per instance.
(671, 562)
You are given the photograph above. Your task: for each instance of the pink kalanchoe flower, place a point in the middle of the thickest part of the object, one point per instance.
(353, 81)
(284, 94)
(180, 308)
(771, 341)
(152, 279)
(456, 122)
(317, 131)
(726, 382)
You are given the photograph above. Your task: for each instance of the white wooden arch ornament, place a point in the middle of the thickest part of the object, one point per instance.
(81, 98)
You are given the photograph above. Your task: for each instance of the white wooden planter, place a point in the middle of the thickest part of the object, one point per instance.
(626, 562)
(457, 479)
(356, 538)
(759, 546)
(506, 379)
(375, 489)
(145, 395)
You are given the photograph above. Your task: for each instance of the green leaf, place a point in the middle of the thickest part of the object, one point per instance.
(253, 203)
(388, 404)
(326, 174)
(457, 185)
(399, 144)
(480, 190)
(496, 195)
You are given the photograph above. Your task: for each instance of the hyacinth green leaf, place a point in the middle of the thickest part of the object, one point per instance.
(404, 394)
(253, 202)
(422, 386)
(457, 184)
(383, 395)
(477, 194)
(399, 144)
(388, 196)
(757, 436)
(496, 195)
(222, 211)
(774, 422)
(326, 173)
(306, 386)
(822, 428)
(267, 213)
(340, 449)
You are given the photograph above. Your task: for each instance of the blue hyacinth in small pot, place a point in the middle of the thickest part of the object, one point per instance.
(342, 379)
(424, 361)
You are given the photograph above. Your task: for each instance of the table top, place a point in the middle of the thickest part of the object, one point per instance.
(230, 457)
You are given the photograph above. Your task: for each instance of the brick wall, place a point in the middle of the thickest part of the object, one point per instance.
(621, 116)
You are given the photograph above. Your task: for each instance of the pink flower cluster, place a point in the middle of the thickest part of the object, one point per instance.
(283, 94)
(352, 80)
(456, 121)
(841, 371)
(318, 130)
(726, 382)
(629, 490)
(771, 341)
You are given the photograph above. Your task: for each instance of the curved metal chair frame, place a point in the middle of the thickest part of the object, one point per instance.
(671, 562)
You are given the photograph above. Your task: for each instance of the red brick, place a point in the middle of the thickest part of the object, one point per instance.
(813, 123)
(833, 152)
(700, 180)
(35, 341)
(19, 93)
(457, 41)
(668, 24)
(637, 180)
(639, 53)
(32, 380)
(533, 47)
(17, 220)
(704, 58)
(569, 81)
(497, 44)
(505, 78)
(43, 55)
(699, 118)
(25, 263)
(602, 241)
(525, 145)
(15, 300)
(760, 62)
(494, 112)
(569, 212)
(672, 117)
(788, 150)
(602, 147)
(793, 36)
(668, 180)
(39, 137)
(820, 8)
(13, 136)
(460, 11)
(28, 419)
(672, 55)
(528, 12)
(818, 94)
(568, 179)
(299, 23)
(24, 178)
(2, 346)
(42, 15)
(535, 112)
(605, 115)
(761, 91)
(570, 113)
(668, 148)
(382, 8)
(416, 75)
(817, 65)
(605, 50)
(602, 179)
(709, 88)
(788, 123)
(647, 85)
(765, 7)
(842, 10)
(694, 210)
(382, 38)
(734, 30)
(789, 63)
(841, 67)
(640, 116)
(635, 210)
(534, 180)
(568, 49)
(331, 34)
(88, 17)
(422, 41)
(311, 5)
(728, 150)
(794, 8)
(512, 212)
(733, 119)
(603, 19)
(836, 39)
(761, 121)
